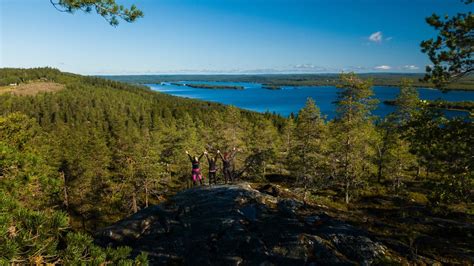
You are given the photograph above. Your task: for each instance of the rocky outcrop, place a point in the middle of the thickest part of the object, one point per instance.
(238, 225)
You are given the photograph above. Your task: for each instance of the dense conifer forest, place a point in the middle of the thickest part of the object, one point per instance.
(81, 158)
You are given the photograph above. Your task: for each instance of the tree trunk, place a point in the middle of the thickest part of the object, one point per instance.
(65, 191)
(146, 193)
(379, 173)
(264, 169)
(169, 172)
(134, 202)
(380, 167)
(347, 192)
(418, 172)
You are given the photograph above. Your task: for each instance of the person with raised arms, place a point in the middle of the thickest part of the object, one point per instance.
(212, 168)
(196, 170)
(228, 168)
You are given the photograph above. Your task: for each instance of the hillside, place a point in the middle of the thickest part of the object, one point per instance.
(94, 130)
(31, 88)
(95, 151)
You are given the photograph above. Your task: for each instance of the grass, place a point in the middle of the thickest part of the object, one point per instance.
(32, 88)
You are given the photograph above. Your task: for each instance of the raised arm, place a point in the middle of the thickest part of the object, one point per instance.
(190, 158)
(202, 154)
(220, 154)
(234, 152)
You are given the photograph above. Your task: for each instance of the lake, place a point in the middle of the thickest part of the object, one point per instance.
(291, 99)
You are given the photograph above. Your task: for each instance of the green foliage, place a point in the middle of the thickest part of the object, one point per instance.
(308, 154)
(116, 146)
(32, 231)
(397, 161)
(16, 75)
(108, 9)
(445, 148)
(354, 134)
(442, 146)
(17, 129)
(407, 102)
(23, 172)
(28, 236)
(263, 141)
(100, 150)
(37, 237)
(81, 250)
(393, 157)
(462, 105)
(451, 52)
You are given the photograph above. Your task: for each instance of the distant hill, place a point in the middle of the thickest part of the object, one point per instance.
(380, 79)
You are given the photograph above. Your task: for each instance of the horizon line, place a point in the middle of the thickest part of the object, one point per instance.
(245, 74)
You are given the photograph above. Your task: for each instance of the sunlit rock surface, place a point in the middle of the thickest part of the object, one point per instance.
(238, 225)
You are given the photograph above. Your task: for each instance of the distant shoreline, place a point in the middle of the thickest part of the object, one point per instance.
(464, 106)
(277, 81)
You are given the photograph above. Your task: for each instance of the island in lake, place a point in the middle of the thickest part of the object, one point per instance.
(209, 86)
(271, 87)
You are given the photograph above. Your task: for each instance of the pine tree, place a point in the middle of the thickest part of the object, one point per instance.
(393, 157)
(262, 144)
(451, 51)
(308, 161)
(407, 102)
(353, 133)
(109, 10)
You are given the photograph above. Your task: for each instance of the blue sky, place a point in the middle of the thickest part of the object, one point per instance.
(224, 36)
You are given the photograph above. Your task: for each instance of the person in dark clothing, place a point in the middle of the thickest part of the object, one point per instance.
(212, 168)
(196, 171)
(228, 168)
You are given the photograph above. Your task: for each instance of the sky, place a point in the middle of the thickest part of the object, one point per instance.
(224, 36)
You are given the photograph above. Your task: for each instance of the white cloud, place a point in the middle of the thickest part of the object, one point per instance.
(309, 67)
(383, 67)
(304, 66)
(388, 39)
(376, 37)
(410, 67)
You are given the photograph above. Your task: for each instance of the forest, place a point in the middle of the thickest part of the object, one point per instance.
(100, 150)
(440, 104)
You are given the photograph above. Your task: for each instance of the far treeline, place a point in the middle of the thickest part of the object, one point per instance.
(274, 81)
(99, 150)
(440, 104)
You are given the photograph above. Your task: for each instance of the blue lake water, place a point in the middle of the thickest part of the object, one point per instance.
(291, 99)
